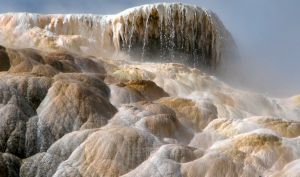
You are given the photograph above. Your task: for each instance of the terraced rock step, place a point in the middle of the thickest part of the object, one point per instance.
(158, 32)
(64, 113)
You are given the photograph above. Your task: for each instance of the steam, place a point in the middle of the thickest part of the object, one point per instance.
(267, 35)
(266, 32)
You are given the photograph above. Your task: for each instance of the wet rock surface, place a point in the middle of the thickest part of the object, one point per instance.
(157, 32)
(66, 113)
(9, 165)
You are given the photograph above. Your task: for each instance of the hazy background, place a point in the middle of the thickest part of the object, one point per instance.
(267, 33)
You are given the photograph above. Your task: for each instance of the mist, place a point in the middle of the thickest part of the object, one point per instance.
(266, 33)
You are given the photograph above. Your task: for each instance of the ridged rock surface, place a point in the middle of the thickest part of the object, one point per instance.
(158, 32)
(65, 113)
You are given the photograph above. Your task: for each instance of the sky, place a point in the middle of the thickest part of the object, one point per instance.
(267, 33)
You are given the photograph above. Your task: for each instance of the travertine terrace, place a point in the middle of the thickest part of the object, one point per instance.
(128, 95)
(159, 32)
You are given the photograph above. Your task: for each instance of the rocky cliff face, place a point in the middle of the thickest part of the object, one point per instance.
(156, 32)
(65, 114)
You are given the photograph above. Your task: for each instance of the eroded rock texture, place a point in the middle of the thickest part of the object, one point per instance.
(157, 32)
(36, 102)
(9, 165)
(64, 113)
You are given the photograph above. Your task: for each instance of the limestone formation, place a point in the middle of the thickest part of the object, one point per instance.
(169, 32)
(33, 88)
(196, 116)
(136, 90)
(46, 163)
(81, 95)
(72, 103)
(9, 165)
(15, 112)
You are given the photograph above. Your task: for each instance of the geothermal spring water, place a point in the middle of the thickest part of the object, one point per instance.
(133, 94)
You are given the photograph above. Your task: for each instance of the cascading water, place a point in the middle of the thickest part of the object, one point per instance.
(150, 32)
(145, 39)
(130, 36)
(76, 107)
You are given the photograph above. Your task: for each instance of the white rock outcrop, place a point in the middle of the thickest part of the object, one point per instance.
(169, 32)
(65, 113)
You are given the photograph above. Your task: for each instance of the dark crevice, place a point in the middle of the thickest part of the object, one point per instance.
(4, 60)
